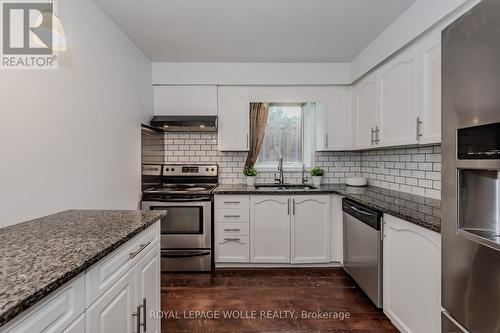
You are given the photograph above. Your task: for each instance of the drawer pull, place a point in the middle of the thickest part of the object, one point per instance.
(227, 240)
(232, 202)
(141, 247)
(235, 229)
(233, 216)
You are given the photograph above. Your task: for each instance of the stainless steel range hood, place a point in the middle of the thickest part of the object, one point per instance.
(185, 123)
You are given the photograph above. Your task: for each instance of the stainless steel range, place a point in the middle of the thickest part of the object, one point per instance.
(185, 191)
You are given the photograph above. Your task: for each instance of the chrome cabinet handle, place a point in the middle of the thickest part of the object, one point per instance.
(141, 247)
(377, 131)
(373, 141)
(227, 240)
(231, 202)
(248, 142)
(234, 216)
(144, 312)
(293, 206)
(326, 140)
(288, 206)
(232, 229)
(419, 125)
(137, 314)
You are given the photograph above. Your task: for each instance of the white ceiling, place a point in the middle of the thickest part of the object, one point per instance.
(253, 30)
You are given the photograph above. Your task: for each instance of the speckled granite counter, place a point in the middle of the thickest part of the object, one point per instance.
(422, 211)
(41, 255)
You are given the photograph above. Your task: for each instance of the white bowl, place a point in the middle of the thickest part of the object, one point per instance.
(356, 181)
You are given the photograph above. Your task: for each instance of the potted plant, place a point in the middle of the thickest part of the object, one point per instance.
(250, 173)
(317, 173)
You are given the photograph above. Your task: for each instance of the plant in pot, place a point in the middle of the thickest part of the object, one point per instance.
(317, 174)
(250, 174)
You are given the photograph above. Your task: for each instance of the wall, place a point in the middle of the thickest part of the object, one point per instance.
(70, 138)
(416, 20)
(165, 73)
(412, 170)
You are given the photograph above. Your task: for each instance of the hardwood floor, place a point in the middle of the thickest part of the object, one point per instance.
(272, 294)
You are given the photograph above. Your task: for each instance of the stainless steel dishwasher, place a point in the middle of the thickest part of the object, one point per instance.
(363, 248)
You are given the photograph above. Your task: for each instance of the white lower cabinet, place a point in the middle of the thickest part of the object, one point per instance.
(310, 232)
(113, 311)
(124, 282)
(270, 229)
(148, 285)
(412, 276)
(232, 248)
(290, 229)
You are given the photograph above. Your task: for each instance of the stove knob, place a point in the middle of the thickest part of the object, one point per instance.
(173, 169)
(168, 170)
(213, 169)
(206, 169)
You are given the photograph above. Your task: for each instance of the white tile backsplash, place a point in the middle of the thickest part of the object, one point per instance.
(413, 170)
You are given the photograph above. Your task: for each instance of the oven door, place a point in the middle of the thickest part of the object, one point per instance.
(187, 225)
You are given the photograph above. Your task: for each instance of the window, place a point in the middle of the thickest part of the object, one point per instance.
(285, 137)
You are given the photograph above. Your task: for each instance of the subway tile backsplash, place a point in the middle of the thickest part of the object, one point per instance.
(413, 170)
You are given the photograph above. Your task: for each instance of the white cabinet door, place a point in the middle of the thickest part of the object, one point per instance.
(112, 313)
(54, 313)
(366, 111)
(234, 114)
(148, 288)
(332, 121)
(429, 70)
(412, 276)
(270, 229)
(310, 236)
(398, 100)
(337, 234)
(185, 100)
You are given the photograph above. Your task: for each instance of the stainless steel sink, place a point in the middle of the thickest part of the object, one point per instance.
(284, 187)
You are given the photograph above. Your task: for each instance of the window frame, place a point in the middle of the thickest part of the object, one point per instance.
(292, 166)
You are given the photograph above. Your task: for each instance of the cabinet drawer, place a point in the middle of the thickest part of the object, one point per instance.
(232, 201)
(232, 215)
(109, 270)
(228, 229)
(232, 249)
(55, 313)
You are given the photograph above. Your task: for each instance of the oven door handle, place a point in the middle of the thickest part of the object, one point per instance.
(184, 254)
(195, 199)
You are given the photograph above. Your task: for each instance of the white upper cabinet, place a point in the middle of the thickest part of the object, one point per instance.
(366, 112)
(332, 120)
(429, 70)
(399, 100)
(270, 229)
(310, 232)
(185, 100)
(234, 118)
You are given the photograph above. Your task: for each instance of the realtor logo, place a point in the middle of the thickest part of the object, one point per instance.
(27, 36)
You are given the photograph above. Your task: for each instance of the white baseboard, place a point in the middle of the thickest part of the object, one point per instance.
(256, 265)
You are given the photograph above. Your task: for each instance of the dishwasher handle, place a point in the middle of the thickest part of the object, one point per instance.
(367, 215)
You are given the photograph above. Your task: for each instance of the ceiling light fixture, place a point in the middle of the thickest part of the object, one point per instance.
(49, 24)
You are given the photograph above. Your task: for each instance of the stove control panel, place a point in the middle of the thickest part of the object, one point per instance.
(190, 170)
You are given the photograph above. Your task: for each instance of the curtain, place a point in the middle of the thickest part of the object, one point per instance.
(258, 122)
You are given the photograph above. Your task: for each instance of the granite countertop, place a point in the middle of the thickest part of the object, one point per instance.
(422, 211)
(41, 255)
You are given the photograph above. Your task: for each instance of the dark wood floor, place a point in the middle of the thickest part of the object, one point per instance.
(327, 291)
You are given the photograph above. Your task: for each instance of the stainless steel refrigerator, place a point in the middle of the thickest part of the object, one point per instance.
(471, 171)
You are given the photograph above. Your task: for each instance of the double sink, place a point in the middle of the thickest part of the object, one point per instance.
(284, 187)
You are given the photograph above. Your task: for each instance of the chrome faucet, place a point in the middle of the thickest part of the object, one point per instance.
(304, 178)
(281, 179)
